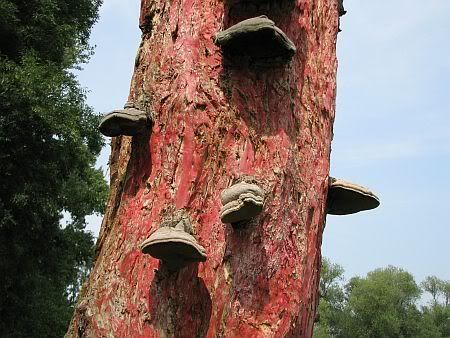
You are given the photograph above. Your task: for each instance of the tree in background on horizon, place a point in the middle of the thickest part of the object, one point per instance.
(332, 300)
(382, 304)
(438, 311)
(434, 286)
(48, 148)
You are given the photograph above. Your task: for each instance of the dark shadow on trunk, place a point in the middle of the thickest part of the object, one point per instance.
(181, 303)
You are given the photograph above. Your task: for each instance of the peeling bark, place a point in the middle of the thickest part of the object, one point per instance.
(213, 125)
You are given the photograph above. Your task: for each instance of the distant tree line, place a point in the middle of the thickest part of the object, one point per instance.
(385, 303)
(48, 148)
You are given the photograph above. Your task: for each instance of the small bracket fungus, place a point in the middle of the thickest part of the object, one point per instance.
(241, 202)
(129, 121)
(257, 41)
(341, 9)
(174, 246)
(341, 12)
(346, 198)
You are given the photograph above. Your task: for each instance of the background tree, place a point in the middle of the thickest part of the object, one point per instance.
(48, 148)
(437, 317)
(383, 304)
(438, 312)
(445, 291)
(330, 276)
(332, 300)
(434, 286)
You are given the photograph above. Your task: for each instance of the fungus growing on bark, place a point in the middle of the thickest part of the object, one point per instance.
(346, 198)
(129, 121)
(174, 246)
(341, 12)
(241, 202)
(341, 9)
(256, 42)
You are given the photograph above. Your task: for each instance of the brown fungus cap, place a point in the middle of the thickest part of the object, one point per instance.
(241, 202)
(174, 246)
(129, 121)
(257, 42)
(346, 198)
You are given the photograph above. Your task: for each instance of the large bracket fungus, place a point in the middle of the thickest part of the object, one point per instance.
(241, 202)
(174, 246)
(346, 198)
(129, 121)
(256, 42)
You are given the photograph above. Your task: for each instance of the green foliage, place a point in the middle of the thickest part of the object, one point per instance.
(433, 286)
(330, 276)
(383, 304)
(48, 148)
(438, 312)
(56, 30)
(445, 291)
(438, 317)
(332, 299)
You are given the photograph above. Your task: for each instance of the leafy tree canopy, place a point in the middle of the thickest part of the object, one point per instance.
(434, 286)
(382, 304)
(48, 148)
(332, 300)
(55, 30)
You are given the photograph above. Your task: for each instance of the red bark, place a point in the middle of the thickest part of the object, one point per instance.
(212, 125)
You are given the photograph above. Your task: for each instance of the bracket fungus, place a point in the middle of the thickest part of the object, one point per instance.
(241, 202)
(174, 246)
(341, 12)
(341, 9)
(346, 198)
(256, 40)
(129, 121)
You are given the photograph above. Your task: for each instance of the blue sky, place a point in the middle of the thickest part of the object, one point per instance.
(391, 134)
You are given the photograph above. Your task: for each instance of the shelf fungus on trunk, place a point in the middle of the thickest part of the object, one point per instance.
(341, 12)
(256, 42)
(346, 198)
(174, 246)
(129, 121)
(241, 202)
(341, 9)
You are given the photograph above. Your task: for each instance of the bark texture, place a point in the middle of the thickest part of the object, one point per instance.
(213, 125)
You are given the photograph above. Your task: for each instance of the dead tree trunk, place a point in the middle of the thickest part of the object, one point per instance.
(215, 124)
